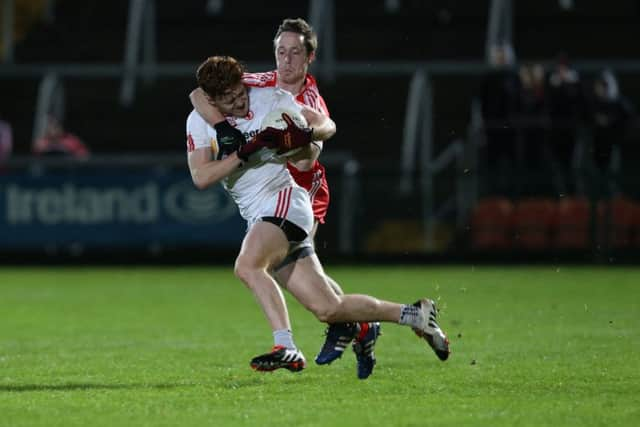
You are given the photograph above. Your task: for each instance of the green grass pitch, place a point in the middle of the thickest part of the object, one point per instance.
(531, 346)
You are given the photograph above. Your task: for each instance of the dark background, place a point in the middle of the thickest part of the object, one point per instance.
(369, 107)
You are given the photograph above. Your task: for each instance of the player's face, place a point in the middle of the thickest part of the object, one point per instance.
(291, 57)
(234, 102)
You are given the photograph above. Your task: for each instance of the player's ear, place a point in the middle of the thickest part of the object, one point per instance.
(312, 57)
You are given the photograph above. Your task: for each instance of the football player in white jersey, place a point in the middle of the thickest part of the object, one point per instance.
(279, 214)
(295, 45)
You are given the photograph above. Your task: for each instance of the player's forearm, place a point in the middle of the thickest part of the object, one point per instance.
(323, 127)
(324, 131)
(201, 104)
(305, 158)
(205, 174)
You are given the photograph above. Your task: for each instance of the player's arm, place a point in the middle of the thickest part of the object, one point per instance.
(323, 128)
(203, 106)
(206, 171)
(228, 136)
(201, 155)
(211, 162)
(322, 125)
(306, 157)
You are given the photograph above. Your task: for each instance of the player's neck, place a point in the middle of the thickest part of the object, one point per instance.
(294, 88)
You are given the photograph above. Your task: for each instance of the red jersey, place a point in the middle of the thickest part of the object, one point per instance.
(314, 180)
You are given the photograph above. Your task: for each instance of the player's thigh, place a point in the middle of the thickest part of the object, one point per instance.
(264, 245)
(308, 284)
(283, 273)
(314, 230)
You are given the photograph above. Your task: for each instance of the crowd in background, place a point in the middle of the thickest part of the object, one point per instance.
(54, 140)
(547, 129)
(57, 141)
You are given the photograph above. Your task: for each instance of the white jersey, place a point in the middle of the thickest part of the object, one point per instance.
(265, 175)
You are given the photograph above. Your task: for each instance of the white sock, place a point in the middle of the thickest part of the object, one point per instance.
(411, 315)
(283, 337)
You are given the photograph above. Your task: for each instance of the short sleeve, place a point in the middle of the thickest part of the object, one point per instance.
(197, 132)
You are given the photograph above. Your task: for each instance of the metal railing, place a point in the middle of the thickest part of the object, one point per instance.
(50, 101)
(322, 18)
(418, 150)
(140, 36)
(500, 27)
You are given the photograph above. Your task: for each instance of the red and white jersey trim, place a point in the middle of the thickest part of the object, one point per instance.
(284, 201)
(266, 79)
(315, 186)
(309, 95)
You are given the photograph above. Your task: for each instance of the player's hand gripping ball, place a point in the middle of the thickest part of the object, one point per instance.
(289, 128)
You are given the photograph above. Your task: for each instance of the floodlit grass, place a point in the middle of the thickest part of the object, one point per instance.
(541, 346)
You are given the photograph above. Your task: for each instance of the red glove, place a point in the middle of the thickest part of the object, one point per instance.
(291, 137)
(261, 140)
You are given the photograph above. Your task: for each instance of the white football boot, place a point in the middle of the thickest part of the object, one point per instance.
(279, 357)
(430, 331)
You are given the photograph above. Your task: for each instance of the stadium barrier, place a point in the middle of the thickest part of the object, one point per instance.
(144, 203)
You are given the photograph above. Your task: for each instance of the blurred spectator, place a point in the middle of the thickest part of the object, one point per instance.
(609, 116)
(566, 107)
(499, 97)
(57, 141)
(534, 157)
(532, 96)
(6, 142)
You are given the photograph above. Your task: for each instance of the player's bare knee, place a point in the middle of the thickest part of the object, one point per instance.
(323, 315)
(326, 313)
(243, 269)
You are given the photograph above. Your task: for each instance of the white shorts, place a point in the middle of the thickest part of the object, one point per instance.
(291, 204)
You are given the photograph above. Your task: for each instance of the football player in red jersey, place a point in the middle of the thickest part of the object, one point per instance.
(295, 45)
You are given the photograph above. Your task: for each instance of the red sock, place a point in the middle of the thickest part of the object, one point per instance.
(364, 328)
